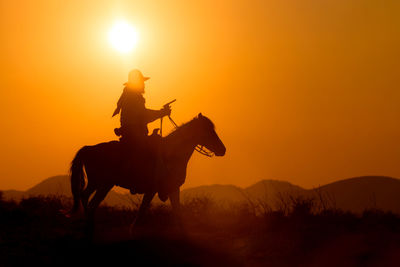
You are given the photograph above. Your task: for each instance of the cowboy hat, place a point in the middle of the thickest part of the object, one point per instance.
(135, 76)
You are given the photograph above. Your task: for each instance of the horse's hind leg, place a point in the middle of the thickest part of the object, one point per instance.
(90, 188)
(93, 204)
(98, 197)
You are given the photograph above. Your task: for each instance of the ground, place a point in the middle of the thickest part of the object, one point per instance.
(35, 232)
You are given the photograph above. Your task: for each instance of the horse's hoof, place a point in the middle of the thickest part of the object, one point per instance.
(138, 231)
(67, 213)
(71, 214)
(132, 230)
(162, 196)
(135, 231)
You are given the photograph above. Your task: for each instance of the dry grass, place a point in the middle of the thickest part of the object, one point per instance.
(297, 232)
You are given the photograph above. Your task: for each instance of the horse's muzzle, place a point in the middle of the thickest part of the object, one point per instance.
(221, 152)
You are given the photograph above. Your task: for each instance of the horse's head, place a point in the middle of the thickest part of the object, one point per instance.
(207, 136)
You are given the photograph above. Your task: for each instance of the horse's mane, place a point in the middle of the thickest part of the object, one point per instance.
(208, 121)
(186, 125)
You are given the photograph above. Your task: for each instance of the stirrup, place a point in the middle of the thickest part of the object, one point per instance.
(118, 131)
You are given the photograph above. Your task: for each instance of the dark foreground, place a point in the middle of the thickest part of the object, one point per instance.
(35, 232)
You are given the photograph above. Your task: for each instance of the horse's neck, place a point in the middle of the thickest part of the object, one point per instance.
(181, 143)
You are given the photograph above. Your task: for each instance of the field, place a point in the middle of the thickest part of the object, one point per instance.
(299, 232)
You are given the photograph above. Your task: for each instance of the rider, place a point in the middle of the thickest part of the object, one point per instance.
(134, 119)
(134, 115)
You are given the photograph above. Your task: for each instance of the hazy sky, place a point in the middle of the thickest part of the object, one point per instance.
(303, 91)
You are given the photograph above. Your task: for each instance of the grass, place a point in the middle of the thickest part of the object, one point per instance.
(296, 232)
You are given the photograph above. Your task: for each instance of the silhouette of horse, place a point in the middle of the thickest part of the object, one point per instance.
(102, 164)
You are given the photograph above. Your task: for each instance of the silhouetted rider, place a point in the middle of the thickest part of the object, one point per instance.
(134, 115)
(137, 148)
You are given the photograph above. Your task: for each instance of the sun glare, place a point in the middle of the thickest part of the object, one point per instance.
(123, 37)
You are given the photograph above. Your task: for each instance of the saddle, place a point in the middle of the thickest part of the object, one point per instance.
(120, 131)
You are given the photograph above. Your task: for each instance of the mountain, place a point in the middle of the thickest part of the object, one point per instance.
(354, 194)
(60, 186)
(264, 190)
(57, 185)
(222, 194)
(13, 194)
(358, 193)
(270, 190)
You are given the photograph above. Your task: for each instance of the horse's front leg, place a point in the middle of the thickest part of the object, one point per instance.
(147, 198)
(174, 198)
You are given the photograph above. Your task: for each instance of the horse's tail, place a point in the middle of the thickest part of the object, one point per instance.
(77, 178)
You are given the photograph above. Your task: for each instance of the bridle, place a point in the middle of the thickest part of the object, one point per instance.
(201, 149)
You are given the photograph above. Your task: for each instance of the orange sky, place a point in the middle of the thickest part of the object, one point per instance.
(303, 91)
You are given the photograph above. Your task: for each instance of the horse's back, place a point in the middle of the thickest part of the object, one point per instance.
(103, 158)
(106, 145)
(113, 162)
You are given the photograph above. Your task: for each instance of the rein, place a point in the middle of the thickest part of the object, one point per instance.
(201, 149)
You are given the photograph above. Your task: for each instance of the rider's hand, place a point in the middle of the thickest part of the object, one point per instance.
(166, 111)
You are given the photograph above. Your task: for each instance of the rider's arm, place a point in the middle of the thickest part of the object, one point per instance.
(152, 115)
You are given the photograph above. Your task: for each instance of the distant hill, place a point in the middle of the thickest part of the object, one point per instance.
(354, 194)
(56, 185)
(13, 194)
(358, 193)
(222, 194)
(60, 186)
(265, 190)
(269, 190)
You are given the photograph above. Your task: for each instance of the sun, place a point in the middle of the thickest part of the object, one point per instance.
(123, 37)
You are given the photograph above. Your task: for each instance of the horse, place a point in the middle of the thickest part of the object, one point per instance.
(102, 165)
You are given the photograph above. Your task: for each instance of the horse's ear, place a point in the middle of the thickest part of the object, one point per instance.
(200, 115)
